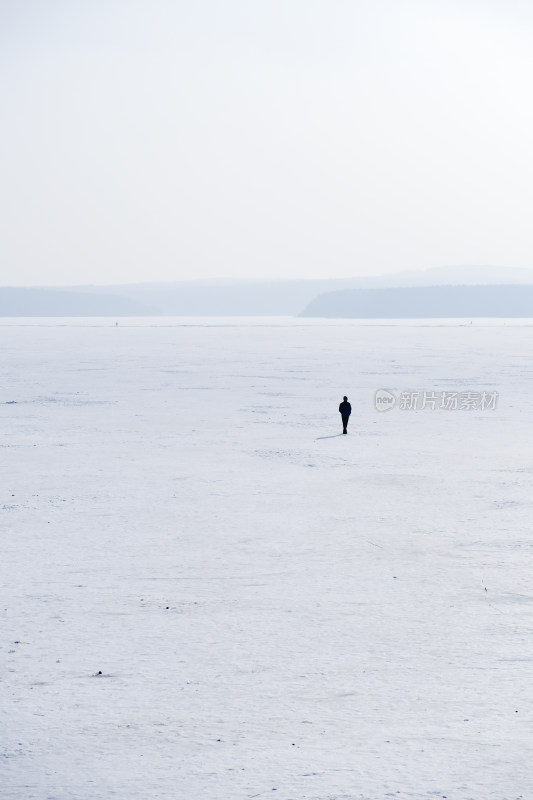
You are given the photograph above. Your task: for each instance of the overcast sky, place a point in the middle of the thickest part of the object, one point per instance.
(151, 140)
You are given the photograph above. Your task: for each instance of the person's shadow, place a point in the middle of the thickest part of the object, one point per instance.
(328, 437)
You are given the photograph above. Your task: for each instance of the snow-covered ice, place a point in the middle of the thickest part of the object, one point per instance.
(209, 594)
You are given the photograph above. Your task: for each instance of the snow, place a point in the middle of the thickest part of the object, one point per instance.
(275, 610)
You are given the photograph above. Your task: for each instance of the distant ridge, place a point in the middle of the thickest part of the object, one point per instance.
(232, 297)
(192, 298)
(22, 302)
(425, 302)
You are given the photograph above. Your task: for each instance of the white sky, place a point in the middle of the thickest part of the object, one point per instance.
(167, 140)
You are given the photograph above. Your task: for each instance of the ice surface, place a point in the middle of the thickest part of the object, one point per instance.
(275, 610)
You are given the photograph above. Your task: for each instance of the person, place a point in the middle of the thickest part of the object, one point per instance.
(345, 410)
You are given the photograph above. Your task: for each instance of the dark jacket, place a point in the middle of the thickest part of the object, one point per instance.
(345, 409)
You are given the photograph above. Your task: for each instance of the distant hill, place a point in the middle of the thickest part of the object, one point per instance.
(56, 303)
(290, 297)
(230, 297)
(246, 298)
(192, 298)
(425, 302)
(464, 275)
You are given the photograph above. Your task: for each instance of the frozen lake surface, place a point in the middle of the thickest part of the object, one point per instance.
(208, 594)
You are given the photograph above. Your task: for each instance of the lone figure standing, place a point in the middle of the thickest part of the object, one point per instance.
(345, 410)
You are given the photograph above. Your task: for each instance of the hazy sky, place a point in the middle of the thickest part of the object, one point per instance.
(159, 139)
